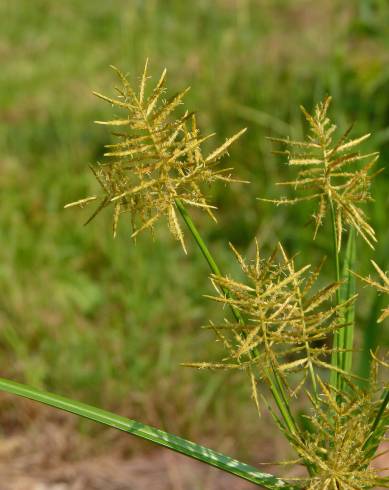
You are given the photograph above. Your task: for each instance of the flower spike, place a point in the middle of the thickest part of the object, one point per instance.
(324, 173)
(337, 448)
(157, 159)
(285, 326)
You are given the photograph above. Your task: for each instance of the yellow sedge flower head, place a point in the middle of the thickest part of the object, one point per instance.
(340, 447)
(327, 173)
(284, 327)
(157, 160)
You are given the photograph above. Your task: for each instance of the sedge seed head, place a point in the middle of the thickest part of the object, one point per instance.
(156, 160)
(284, 326)
(339, 448)
(332, 172)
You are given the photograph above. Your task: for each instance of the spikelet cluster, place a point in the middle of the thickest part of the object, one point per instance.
(382, 287)
(328, 172)
(157, 159)
(284, 327)
(339, 449)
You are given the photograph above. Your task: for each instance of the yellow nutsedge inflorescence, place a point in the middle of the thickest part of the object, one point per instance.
(382, 287)
(324, 172)
(339, 449)
(284, 327)
(157, 159)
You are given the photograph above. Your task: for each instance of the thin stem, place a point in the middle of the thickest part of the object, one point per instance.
(206, 253)
(276, 388)
(348, 290)
(342, 355)
(338, 340)
(281, 400)
(335, 248)
(149, 433)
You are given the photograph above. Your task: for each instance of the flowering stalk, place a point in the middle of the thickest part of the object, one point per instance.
(275, 383)
(156, 168)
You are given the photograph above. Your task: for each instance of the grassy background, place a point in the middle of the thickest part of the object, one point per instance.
(108, 321)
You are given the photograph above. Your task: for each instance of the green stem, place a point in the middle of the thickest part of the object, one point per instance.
(335, 249)
(281, 400)
(338, 340)
(196, 235)
(149, 433)
(275, 383)
(206, 253)
(347, 291)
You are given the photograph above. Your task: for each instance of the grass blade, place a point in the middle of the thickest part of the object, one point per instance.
(344, 338)
(336, 358)
(149, 433)
(347, 290)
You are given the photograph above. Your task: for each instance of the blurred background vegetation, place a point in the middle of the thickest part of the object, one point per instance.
(109, 321)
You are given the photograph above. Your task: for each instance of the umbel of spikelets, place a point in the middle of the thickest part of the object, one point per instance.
(332, 172)
(284, 327)
(339, 449)
(156, 160)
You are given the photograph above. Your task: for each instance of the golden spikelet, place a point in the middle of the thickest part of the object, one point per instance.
(157, 159)
(285, 327)
(324, 172)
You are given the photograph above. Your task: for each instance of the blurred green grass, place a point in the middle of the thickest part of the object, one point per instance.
(109, 321)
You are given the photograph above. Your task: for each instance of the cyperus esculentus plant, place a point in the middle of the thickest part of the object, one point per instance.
(288, 335)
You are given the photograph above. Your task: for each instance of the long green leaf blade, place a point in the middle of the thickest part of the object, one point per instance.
(149, 433)
(342, 357)
(347, 291)
(336, 356)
